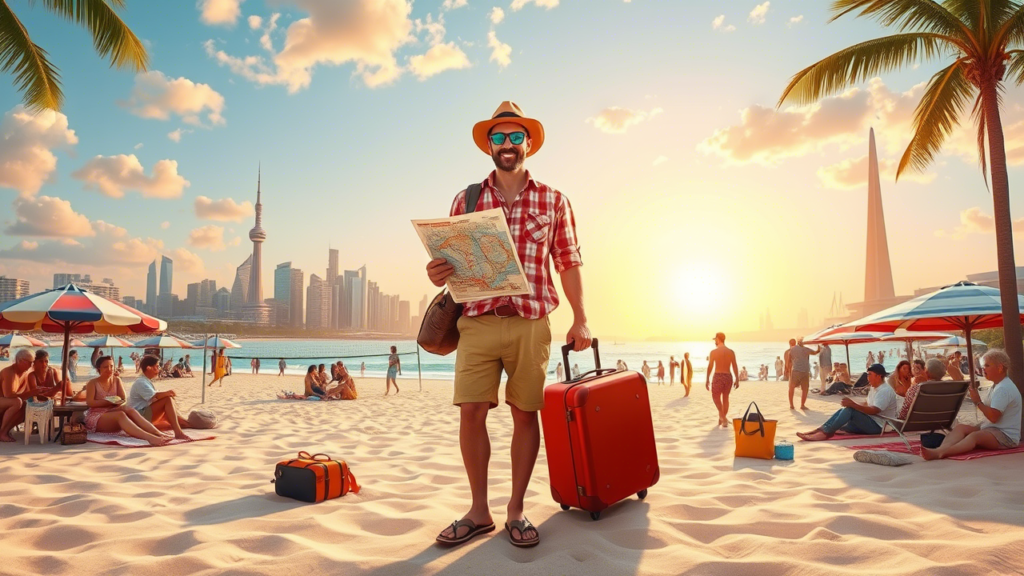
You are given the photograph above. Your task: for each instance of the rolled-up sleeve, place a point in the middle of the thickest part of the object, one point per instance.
(458, 205)
(565, 250)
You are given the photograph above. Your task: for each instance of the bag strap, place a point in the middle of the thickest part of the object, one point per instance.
(350, 479)
(472, 197)
(758, 417)
(303, 455)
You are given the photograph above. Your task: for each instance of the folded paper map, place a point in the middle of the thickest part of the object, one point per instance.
(479, 245)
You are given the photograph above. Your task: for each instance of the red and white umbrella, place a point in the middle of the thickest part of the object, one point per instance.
(71, 310)
(15, 340)
(163, 341)
(108, 342)
(847, 338)
(911, 337)
(216, 342)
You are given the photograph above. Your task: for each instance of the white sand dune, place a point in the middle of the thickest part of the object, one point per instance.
(209, 507)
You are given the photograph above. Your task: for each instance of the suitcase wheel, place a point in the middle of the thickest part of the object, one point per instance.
(642, 494)
(565, 507)
(595, 515)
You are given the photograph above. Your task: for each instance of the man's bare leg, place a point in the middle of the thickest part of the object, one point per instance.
(717, 397)
(476, 454)
(791, 406)
(525, 446)
(803, 395)
(725, 409)
(980, 438)
(164, 408)
(11, 408)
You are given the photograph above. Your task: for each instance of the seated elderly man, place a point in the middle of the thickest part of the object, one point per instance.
(858, 418)
(1001, 428)
(934, 371)
(14, 383)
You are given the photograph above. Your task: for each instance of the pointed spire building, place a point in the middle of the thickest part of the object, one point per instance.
(256, 311)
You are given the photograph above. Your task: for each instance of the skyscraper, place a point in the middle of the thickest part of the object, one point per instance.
(317, 313)
(354, 309)
(255, 310)
(404, 322)
(295, 305)
(166, 275)
(332, 266)
(240, 286)
(207, 288)
(878, 270)
(283, 292)
(13, 288)
(151, 288)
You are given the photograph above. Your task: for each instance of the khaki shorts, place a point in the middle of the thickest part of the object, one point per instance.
(800, 380)
(1004, 441)
(489, 344)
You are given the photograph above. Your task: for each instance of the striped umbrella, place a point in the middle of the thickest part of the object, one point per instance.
(163, 341)
(911, 337)
(15, 340)
(847, 338)
(108, 342)
(216, 342)
(962, 306)
(70, 310)
(955, 342)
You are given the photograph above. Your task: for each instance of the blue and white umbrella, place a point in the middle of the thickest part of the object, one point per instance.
(962, 306)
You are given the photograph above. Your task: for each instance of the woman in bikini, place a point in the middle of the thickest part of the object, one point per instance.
(110, 416)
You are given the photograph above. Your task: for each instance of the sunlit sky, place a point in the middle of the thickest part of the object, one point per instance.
(698, 205)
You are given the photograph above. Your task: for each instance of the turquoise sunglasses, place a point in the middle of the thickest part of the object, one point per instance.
(498, 138)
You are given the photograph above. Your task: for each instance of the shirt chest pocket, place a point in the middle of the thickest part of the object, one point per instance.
(537, 227)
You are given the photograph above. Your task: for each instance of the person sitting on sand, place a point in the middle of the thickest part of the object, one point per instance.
(934, 371)
(14, 384)
(953, 366)
(188, 366)
(857, 418)
(178, 370)
(721, 363)
(156, 407)
(743, 374)
(107, 413)
(1000, 430)
(312, 381)
(901, 379)
(919, 373)
(321, 376)
(42, 380)
(346, 388)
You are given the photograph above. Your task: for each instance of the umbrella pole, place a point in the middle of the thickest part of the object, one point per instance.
(970, 355)
(63, 369)
(206, 340)
(847, 344)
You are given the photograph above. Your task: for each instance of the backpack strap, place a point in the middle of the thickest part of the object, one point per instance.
(472, 197)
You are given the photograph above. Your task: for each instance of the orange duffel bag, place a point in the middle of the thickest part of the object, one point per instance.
(314, 478)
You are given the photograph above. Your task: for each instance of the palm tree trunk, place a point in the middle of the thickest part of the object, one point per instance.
(1004, 235)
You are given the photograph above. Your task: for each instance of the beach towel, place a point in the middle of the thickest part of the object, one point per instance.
(840, 435)
(916, 447)
(122, 439)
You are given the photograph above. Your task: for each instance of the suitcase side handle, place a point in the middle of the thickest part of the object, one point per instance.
(565, 356)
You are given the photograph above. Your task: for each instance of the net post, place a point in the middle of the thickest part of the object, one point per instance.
(419, 368)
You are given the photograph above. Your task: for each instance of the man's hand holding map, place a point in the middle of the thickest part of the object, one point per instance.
(479, 246)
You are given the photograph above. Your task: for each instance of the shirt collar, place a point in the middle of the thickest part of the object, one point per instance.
(530, 183)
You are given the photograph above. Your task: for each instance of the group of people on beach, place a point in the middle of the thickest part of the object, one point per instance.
(142, 413)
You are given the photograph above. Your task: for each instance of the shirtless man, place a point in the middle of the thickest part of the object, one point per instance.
(14, 382)
(672, 365)
(722, 363)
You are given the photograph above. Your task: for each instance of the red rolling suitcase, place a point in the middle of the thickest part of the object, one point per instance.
(599, 437)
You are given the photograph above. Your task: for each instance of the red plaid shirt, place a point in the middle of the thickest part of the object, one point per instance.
(542, 226)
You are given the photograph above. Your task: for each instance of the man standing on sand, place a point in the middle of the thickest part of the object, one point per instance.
(722, 363)
(14, 383)
(672, 365)
(800, 371)
(825, 360)
(686, 373)
(281, 365)
(788, 360)
(512, 333)
(779, 364)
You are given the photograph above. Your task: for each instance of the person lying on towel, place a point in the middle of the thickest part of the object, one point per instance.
(1000, 429)
(857, 418)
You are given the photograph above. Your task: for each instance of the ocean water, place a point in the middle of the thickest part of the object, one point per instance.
(299, 354)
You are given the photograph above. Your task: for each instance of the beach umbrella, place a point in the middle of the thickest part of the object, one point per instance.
(72, 310)
(833, 329)
(216, 342)
(76, 343)
(108, 342)
(163, 341)
(963, 306)
(911, 337)
(955, 342)
(15, 340)
(847, 338)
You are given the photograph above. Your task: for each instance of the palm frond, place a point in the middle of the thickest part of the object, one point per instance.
(936, 116)
(1011, 31)
(111, 37)
(1015, 66)
(861, 62)
(981, 119)
(920, 15)
(33, 74)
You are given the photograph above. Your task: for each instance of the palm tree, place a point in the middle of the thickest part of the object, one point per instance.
(985, 40)
(35, 76)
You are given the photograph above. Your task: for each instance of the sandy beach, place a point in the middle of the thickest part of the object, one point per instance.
(209, 507)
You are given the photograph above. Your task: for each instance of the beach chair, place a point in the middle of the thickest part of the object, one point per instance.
(934, 408)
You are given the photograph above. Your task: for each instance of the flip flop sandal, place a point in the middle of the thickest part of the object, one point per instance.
(522, 525)
(474, 530)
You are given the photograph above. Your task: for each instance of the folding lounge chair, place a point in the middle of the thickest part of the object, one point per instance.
(934, 408)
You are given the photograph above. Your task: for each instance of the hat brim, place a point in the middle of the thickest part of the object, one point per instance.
(481, 130)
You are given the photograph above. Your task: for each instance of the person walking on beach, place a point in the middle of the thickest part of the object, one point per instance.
(220, 368)
(575, 371)
(646, 370)
(686, 373)
(672, 365)
(779, 365)
(800, 371)
(788, 360)
(512, 333)
(394, 369)
(722, 363)
(281, 365)
(362, 370)
(255, 363)
(559, 373)
(661, 373)
(825, 361)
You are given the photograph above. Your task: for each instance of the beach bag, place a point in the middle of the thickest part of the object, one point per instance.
(314, 478)
(439, 330)
(202, 419)
(755, 436)
(73, 434)
(932, 440)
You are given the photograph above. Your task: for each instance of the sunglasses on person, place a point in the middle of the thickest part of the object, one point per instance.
(498, 138)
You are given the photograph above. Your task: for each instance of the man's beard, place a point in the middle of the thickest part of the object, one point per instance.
(507, 165)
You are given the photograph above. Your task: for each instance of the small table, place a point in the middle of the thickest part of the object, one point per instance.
(64, 413)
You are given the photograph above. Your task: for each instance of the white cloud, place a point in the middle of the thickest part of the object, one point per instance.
(796, 20)
(497, 15)
(220, 12)
(975, 221)
(111, 246)
(717, 24)
(157, 96)
(187, 262)
(175, 135)
(48, 217)
(659, 160)
(453, 4)
(224, 210)
(616, 120)
(500, 52)
(439, 58)
(853, 173)
(26, 143)
(114, 175)
(208, 237)
(255, 22)
(265, 40)
(758, 14)
(138, 146)
(364, 32)
(434, 29)
(236, 241)
(165, 225)
(518, 4)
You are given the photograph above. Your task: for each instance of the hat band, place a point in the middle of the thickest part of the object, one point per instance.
(507, 115)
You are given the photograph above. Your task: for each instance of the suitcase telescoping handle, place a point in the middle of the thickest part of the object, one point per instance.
(597, 360)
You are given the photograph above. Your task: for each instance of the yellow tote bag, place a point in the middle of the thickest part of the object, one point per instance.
(755, 436)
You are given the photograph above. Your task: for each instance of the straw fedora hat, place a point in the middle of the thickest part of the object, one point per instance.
(508, 112)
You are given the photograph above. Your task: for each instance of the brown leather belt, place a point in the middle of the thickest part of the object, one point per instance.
(503, 311)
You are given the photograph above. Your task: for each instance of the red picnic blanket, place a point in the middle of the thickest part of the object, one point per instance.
(916, 449)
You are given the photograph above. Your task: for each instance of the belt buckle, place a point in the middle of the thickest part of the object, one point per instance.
(508, 316)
